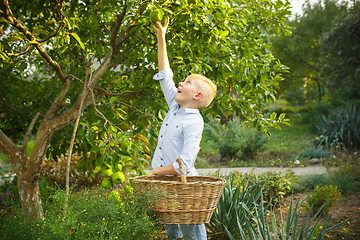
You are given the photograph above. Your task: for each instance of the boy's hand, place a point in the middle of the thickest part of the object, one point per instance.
(161, 30)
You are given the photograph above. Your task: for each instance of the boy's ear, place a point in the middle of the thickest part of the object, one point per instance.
(198, 96)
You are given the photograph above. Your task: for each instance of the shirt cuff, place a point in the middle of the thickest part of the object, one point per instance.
(163, 74)
(176, 167)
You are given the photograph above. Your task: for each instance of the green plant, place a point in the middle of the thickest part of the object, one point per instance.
(309, 182)
(340, 128)
(233, 203)
(233, 139)
(315, 152)
(344, 181)
(274, 185)
(242, 213)
(89, 215)
(324, 198)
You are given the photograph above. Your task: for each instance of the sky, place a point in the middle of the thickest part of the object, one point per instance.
(297, 5)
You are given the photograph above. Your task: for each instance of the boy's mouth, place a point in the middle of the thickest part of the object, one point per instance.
(179, 90)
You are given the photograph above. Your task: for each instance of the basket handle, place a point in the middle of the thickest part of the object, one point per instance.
(182, 170)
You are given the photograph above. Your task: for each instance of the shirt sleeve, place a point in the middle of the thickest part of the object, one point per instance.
(167, 84)
(192, 138)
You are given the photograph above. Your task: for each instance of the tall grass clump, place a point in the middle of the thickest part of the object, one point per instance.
(89, 215)
(344, 181)
(340, 128)
(315, 152)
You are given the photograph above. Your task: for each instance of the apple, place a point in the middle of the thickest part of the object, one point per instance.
(107, 171)
(106, 183)
(156, 15)
(118, 177)
(128, 189)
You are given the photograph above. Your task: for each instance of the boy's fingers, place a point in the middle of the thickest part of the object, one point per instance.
(158, 23)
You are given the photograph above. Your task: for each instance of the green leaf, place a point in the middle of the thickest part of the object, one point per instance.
(282, 116)
(273, 116)
(78, 40)
(112, 100)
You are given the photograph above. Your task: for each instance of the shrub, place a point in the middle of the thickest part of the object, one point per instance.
(315, 152)
(89, 215)
(324, 198)
(340, 128)
(275, 185)
(233, 139)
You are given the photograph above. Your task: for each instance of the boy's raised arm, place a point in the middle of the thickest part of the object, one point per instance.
(163, 60)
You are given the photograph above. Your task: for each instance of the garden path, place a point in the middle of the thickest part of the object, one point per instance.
(298, 171)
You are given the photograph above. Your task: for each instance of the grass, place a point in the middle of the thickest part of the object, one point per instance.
(284, 145)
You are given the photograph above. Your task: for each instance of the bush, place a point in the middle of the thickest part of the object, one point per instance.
(340, 128)
(233, 139)
(324, 198)
(315, 152)
(89, 215)
(275, 185)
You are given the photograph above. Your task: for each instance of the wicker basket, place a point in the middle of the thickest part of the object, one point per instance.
(186, 199)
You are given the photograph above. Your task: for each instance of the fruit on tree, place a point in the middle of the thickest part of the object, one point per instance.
(118, 177)
(107, 171)
(156, 15)
(128, 189)
(106, 183)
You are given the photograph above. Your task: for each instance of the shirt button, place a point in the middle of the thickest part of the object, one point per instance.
(161, 136)
(166, 124)
(162, 159)
(160, 148)
(175, 114)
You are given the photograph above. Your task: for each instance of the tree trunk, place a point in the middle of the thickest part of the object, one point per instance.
(29, 193)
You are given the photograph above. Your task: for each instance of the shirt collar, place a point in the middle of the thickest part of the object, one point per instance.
(189, 110)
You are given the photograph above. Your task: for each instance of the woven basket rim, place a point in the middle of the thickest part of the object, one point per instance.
(187, 211)
(148, 179)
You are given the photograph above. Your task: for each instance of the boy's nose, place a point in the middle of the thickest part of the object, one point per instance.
(180, 83)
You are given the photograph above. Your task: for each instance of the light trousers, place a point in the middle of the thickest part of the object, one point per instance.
(187, 231)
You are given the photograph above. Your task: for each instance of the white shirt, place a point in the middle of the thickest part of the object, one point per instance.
(181, 131)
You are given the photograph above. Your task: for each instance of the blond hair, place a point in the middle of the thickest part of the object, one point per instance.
(207, 87)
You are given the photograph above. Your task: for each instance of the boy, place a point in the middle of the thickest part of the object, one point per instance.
(181, 131)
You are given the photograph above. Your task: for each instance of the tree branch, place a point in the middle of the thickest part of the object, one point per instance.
(20, 53)
(143, 39)
(31, 126)
(117, 24)
(102, 22)
(16, 23)
(8, 148)
(52, 35)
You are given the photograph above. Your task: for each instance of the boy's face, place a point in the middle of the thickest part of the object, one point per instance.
(187, 92)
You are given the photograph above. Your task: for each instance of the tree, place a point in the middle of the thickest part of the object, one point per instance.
(301, 51)
(102, 53)
(340, 52)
